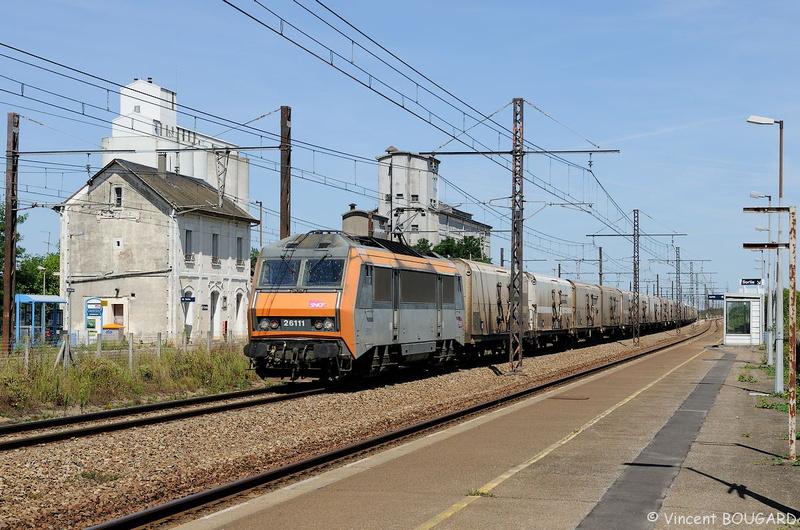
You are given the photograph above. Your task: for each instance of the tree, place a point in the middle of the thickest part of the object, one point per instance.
(31, 279)
(423, 246)
(20, 220)
(254, 253)
(20, 250)
(467, 248)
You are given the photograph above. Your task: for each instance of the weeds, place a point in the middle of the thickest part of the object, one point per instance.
(747, 377)
(106, 380)
(479, 493)
(99, 476)
(764, 403)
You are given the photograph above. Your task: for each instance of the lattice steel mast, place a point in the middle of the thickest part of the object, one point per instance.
(515, 294)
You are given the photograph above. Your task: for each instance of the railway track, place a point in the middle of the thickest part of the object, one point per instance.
(306, 465)
(142, 415)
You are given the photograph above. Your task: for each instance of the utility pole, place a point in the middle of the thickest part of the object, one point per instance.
(678, 291)
(600, 264)
(635, 318)
(517, 154)
(515, 296)
(9, 265)
(286, 171)
(260, 224)
(792, 247)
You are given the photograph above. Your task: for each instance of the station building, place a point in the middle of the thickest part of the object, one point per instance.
(158, 240)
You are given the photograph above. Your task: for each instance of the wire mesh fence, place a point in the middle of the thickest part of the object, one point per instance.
(128, 349)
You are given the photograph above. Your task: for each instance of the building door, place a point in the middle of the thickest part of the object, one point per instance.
(188, 303)
(240, 326)
(214, 316)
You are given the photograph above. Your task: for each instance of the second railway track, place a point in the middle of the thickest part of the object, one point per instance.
(151, 414)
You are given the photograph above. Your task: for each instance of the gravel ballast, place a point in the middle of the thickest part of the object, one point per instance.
(80, 482)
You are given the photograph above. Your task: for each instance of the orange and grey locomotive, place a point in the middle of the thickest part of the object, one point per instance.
(327, 304)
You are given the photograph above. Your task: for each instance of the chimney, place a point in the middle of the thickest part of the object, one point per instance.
(352, 206)
(149, 79)
(162, 165)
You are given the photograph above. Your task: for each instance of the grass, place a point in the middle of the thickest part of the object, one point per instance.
(479, 493)
(99, 476)
(106, 381)
(764, 403)
(777, 461)
(746, 376)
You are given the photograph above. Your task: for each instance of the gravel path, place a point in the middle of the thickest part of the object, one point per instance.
(86, 481)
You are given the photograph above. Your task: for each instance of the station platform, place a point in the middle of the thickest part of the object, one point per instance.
(673, 440)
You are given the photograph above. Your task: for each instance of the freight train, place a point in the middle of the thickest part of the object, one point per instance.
(329, 305)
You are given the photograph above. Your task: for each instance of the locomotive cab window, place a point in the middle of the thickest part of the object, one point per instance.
(279, 273)
(323, 272)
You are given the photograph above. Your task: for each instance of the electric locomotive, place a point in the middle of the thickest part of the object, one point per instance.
(327, 304)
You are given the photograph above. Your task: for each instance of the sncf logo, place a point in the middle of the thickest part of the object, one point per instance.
(316, 304)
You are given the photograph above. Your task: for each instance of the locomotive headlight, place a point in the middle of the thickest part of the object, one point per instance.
(318, 324)
(328, 324)
(263, 324)
(273, 324)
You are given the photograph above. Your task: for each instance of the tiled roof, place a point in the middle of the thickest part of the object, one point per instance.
(185, 193)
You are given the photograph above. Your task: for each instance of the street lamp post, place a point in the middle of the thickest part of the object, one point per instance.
(44, 278)
(760, 120)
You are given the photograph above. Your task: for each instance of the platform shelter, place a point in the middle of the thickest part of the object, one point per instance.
(742, 319)
(39, 316)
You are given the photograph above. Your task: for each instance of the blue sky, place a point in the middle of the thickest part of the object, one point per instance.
(670, 84)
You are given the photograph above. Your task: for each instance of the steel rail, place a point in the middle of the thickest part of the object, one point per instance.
(61, 421)
(177, 506)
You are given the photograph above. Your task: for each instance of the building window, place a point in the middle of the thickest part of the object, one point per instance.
(239, 252)
(188, 252)
(415, 228)
(414, 197)
(215, 249)
(737, 321)
(118, 196)
(157, 127)
(398, 195)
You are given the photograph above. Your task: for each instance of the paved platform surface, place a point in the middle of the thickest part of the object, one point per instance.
(674, 440)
